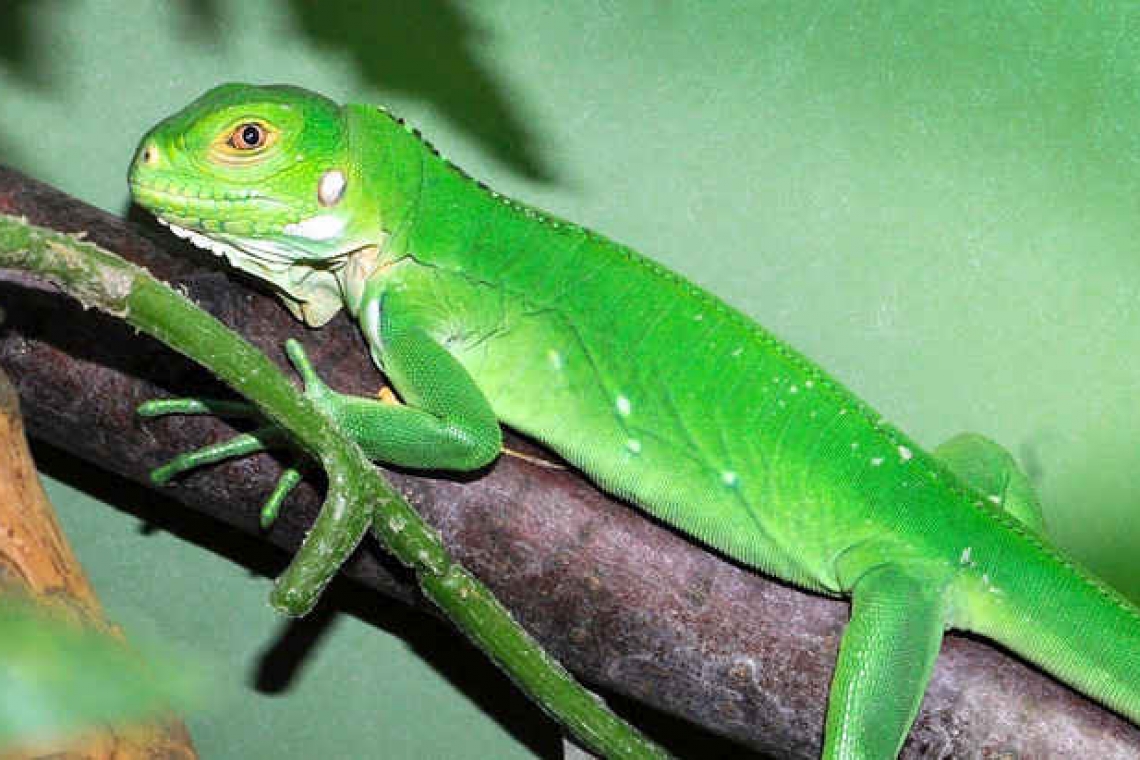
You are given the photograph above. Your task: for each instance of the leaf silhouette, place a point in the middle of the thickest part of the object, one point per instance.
(427, 49)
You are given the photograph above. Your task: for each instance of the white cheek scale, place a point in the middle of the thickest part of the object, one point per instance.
(331, 187)
(321, 227)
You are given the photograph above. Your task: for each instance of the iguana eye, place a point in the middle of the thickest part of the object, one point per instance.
(248, 136)
(248, 142)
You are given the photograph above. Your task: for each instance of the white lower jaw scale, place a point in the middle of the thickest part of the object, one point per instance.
(200, 240)
(231, 253)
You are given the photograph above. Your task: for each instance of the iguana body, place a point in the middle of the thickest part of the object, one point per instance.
(480, 310)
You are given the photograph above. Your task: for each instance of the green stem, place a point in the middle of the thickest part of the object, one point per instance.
(358, 496)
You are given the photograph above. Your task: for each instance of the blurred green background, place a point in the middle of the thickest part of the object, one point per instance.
(936, 201)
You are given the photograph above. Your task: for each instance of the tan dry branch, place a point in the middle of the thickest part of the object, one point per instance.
(36, 561)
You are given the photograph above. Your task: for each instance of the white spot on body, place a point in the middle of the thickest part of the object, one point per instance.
(633, 445)
(322, 227)
(876, 461)
(965, 558)
(793, 389)
(808, 384)
(905, 454)
(555, 359)
(729, 478)
(994, 498)
(698, 317)
(737, 352)
(623, 406)
(331, 187)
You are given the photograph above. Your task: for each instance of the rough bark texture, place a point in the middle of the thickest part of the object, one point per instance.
(620, 599)
(36, 561)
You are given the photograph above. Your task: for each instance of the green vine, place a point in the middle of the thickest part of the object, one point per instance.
(358, 497)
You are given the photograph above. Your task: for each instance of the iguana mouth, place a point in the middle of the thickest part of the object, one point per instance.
(236, 212)
(235, 225)
(229, 252)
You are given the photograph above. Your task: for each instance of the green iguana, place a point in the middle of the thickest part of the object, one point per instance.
(480, 310)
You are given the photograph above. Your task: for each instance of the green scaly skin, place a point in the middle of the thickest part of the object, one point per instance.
(480, 309)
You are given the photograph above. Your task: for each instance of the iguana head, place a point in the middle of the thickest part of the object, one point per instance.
(261, 176)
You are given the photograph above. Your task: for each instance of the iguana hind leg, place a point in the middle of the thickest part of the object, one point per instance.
(885, 661)
(990, 469)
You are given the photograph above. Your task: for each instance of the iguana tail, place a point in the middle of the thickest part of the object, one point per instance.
(1059, 616)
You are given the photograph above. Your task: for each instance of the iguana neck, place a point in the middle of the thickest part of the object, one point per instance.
(411, 183)
(391, 163)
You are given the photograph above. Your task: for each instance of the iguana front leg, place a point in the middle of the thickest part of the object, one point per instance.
(445, 422)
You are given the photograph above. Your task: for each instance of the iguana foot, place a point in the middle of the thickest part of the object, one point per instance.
(267, 437)
(261, 439)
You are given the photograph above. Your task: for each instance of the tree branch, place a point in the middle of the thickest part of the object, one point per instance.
(625, 602)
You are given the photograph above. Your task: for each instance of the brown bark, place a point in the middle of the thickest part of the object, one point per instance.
(620, 599)
(36, 561)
